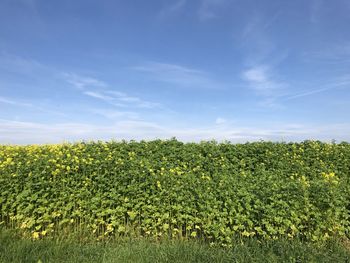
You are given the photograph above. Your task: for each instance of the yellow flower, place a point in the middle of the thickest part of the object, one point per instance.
(35, 235)
(330, 177)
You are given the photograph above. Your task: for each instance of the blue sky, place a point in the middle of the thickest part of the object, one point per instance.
(194, 69)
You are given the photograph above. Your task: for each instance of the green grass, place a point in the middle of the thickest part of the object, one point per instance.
(15, 249)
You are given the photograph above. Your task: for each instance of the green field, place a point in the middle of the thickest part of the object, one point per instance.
(13, 248)
(260, 198)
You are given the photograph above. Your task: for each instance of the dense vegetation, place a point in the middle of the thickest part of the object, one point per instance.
(214, 192)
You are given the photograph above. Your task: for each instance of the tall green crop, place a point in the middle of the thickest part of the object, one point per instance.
(213, 191)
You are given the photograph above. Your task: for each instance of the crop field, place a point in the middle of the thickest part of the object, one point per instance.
(207, 191)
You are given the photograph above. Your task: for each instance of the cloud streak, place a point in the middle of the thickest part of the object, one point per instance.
(114, 114)
(208, 9)
(82, 82)
(261, 80)
(100, 90)
(24, 66)
(338, 54)
(29, 106)
(14, 102)
(316, 8)
(172, 8)
(120, 99)
(343, 81)
(220, 121)
(177, 76)
(30, 132)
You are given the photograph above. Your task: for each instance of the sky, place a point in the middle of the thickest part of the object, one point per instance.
(235, 70)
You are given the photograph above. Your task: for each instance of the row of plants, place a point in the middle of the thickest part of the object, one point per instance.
(169, 189)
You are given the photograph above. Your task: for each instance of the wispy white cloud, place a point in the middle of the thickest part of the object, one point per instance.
(98, 95)
(15, 102)
(100, 90)
(257, 74)
(316, 8)
(264, 82)
(24, 66)
(82, 82)
(172, 8)
(30, 106)
(262, 59)
(340, 82)
(307, 93)
(336, 53)
(87, 85)
(30, 132)
(106, 98)
(220, 120)
(261, 79)
(121, 99)
(178, 76)
(256, 40)
(208, 9)
(157, 67)
(31, 4)
(258, 25)
(114, 114)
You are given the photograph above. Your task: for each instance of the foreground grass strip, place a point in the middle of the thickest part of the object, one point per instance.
(13, 248)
